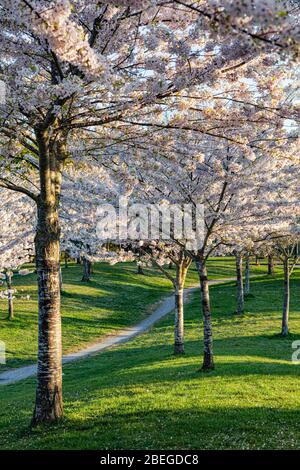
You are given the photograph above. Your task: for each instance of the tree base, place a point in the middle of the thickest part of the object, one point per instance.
(178, 349)
(285, 333)
(50, 417)
(208, 363)
(48, 407)
(140, 271)
(249, 296)
(47, 416)
(44, 420)
(207, 368)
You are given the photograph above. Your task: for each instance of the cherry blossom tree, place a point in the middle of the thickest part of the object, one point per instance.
(284, 243)
(160, 254)
(76, 69)
(275, 230)
(70, 66)
(288, 252)
(239, 188)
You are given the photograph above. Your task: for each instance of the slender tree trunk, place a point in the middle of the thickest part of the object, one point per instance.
(86, 270)
(286, 299)
(48, 404)
(66, 260)
(247, 276)
(10, 296)
(60, 280)
(179, 321)
(240, 287)
(208, 359)
(140, 270)
(11, 314)
(78, 260)
(270, 265)
(181, 271)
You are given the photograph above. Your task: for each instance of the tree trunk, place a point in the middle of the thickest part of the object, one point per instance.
(10, 296)
(179, 321)
(270, 265)
(181, 270)
(257, 261)
(239, 281)
(247, 276)
(140, 270)
(60, 280)
(286, 299)
(86, 270)
(66, 260)
(208, 359)
(48, 404)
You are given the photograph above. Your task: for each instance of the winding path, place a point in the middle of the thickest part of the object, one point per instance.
(167, 305)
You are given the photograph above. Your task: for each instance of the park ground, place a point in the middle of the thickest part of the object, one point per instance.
(140, 396)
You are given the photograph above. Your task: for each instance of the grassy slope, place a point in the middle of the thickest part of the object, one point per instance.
(115, 298)
(139, 396)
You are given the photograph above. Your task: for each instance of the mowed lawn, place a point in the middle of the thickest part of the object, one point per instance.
(115, 298)
(139, 396)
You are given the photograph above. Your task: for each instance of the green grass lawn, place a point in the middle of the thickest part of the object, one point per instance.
(115, 298)
(139, 396)
(219, 268)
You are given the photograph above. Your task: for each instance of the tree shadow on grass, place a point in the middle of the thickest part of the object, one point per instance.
(105, 274)
(115, 291)
(188, 428)
(148, 365)
(107, 390)
(174, 425)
